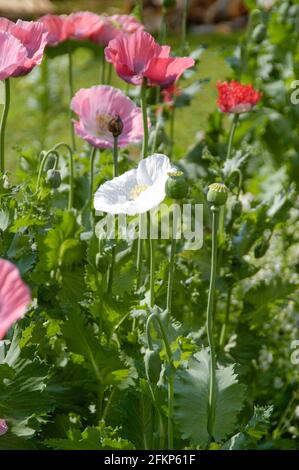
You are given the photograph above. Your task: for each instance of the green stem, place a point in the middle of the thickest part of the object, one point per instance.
(71, 179)
(3, 124)
(152, 268)
(109, 75)
(212, 385)
(163, 29)
(170, 379)
(226, 320)
(115, 156)
(144, 119)
(161, 424)
(231, 135)
(91, 174)
(184, 26)
(42, 166)
(103, 67)
(172, 120)
(71, 89)
(171, 267)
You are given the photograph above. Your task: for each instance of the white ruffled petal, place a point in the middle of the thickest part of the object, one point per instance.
(152, 168)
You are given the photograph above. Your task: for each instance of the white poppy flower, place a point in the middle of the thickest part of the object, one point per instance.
(136, 191)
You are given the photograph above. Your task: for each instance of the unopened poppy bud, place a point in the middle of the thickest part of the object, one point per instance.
(53, 178)
(217, 194)
(115, 126)
(236, 209)
(261, 248)
(103, 262)
(153, 365)
(176, 185)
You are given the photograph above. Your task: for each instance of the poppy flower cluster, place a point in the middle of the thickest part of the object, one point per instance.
(85, 25)
(22, 46)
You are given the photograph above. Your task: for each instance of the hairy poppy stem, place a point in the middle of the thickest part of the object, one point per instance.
(143, 155)
(71, 89)
(42, 166)
(184, 26)
(3, 124)
(210, 307)
(71, 178)
(171, 269)
(152, 264)
(231, 136)
(115, 173)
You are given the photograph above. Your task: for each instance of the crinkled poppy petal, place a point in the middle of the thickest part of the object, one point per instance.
(33, 36)
(236, 98)
(12, 55)
(83, 24)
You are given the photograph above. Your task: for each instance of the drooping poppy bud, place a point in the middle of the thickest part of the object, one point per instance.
(261, 248)
(217, 194)
(152, 362)
(53, 178)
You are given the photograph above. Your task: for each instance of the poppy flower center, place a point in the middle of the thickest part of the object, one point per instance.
(102, 121)
(137, 190)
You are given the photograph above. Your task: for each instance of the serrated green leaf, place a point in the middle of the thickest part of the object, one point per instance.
(192, 398)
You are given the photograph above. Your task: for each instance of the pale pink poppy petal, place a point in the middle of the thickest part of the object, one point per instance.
(14, 296)
(96, 106)
(3, 427)
(12, 54)
(55, 25)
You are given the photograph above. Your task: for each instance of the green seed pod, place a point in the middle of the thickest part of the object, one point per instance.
(261, 248)
(176, 185)
(236, 209)
(53, 178)
(103, 262)
(259, 33)
(153, 366)
(217, 194)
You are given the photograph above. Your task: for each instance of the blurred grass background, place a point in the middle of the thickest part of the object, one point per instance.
(39, 113)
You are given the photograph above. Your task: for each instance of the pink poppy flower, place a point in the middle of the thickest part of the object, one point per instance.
(115, 25)
(3, 427)
(96, 107)
(14, 296)
(82, 25)
(12, 55)
(138, 56)
(236, 98)
(32, 36)
(55, 25)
